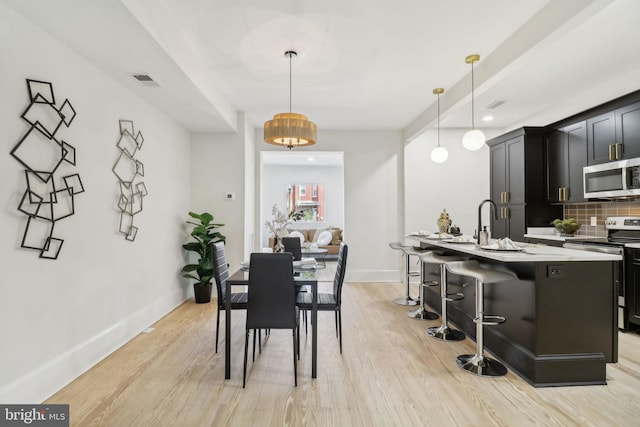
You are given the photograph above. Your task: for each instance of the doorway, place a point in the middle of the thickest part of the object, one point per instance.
(307, 186)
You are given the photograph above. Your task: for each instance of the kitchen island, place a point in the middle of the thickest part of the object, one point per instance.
(561, 326)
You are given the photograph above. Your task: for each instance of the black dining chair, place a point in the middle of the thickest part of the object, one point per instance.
(221, 274)
(272, 301)
(329, 301)
(293, 246)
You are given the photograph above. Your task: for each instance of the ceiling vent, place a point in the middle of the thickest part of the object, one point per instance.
(494, 104)
(146, 80)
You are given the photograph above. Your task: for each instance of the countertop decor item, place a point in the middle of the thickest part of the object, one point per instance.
(204, 232)
(443, 222)
(567, 227)
(290, 129)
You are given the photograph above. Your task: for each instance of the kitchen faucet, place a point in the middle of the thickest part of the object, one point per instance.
(495, 214)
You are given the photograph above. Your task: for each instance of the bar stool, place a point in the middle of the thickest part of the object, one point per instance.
(444, 332)
(478, 363)
(420, 312)
(407, 251)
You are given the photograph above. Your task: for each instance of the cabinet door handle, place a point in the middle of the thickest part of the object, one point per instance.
(610, 151)
(560, 194)
(502, 197)
(563, 194)
(506, 213)
(566, 194)
(506, 197)
(618, 153)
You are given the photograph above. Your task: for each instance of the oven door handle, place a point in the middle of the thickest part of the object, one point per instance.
(594, 248)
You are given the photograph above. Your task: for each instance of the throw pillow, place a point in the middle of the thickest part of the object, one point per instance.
(317, 233)
(325, 238)
(336, 236)
(297, 234)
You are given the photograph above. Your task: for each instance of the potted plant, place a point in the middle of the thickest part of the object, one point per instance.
(204, 232)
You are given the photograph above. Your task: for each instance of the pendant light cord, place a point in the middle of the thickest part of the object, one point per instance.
(473, 121)
(290, 85)
(438, 120)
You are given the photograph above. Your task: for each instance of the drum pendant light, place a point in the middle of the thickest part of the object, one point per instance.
(474, 139)
(439, 154)
(290, 129)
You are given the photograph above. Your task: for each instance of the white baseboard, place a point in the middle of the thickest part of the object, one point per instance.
(43, 382)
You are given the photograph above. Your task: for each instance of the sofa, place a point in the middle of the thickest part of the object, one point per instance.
(311, 236)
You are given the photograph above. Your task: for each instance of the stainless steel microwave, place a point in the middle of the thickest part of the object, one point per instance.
(613, 179)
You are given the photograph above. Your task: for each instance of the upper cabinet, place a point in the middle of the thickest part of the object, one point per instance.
(566, 151)
(614, 135)
(517, 187)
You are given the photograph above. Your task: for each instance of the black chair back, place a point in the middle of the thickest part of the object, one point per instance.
(292, 245)
(220, 269)
(272, 297)
(341, 268)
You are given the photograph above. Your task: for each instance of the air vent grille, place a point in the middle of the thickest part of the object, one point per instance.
(146, 79)
(495, 104)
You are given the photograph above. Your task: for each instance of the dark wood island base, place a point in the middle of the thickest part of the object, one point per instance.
(561, 327)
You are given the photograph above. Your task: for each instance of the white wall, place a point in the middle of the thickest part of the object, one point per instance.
(373, 201)
(217, 168)
(59, 317)
(457, 185)
(276, 178)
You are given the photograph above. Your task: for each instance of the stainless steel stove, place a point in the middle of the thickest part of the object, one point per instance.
(623, 238)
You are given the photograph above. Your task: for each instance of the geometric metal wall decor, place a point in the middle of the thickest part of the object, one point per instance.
(48, 197)
(129, 172)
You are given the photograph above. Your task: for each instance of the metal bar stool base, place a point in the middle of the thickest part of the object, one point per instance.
(445, 333)
(480, 365)
(423, 314)
(405, 301)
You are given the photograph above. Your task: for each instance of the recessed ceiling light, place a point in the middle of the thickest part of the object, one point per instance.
(487, 118)
(311, 159)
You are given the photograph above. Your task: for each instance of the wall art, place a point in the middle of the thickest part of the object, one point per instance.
(129, 171)
(50, 193)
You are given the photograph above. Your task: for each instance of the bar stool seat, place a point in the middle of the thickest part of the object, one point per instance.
(407, 251)
(444, 332)
(478, 363)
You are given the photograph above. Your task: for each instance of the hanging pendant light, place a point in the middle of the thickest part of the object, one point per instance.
(439, 154)
(474, 139)
(290, 129)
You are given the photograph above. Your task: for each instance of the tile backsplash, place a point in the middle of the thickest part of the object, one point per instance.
(583, 212)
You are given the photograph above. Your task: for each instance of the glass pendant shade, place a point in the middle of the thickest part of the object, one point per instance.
(473, 140)
(439, 155)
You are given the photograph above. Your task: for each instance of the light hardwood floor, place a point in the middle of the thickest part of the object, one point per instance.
(390, 374)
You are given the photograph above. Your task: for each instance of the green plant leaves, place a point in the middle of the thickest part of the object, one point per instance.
(204, 232)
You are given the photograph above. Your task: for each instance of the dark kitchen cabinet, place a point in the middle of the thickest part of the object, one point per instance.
(632, 288)
(517, 162)
(566, 151)
(614, 135)
(511, 223)
(628, 130)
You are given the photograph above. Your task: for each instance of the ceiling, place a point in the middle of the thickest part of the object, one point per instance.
(362, 64)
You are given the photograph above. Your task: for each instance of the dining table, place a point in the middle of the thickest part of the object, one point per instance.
(302, 277)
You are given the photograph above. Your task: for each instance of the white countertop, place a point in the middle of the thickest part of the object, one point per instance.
(530, 252)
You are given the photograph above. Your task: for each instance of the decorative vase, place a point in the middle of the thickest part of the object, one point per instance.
(278, 247)
(202, 292)
(443, 222)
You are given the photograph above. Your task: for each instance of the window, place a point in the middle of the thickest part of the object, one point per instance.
(305, 202)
